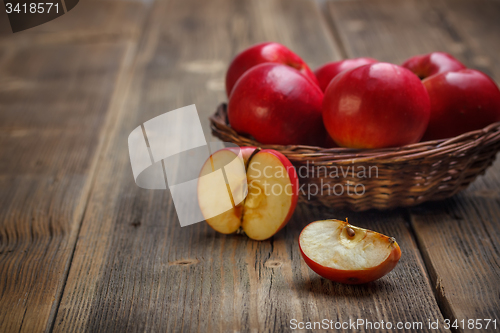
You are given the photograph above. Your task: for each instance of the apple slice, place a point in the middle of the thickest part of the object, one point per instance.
(343, 253)
(263, 198)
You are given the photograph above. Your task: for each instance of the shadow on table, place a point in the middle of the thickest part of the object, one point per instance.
(320, 286)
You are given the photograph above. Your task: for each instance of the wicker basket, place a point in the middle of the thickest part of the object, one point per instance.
(392, 177)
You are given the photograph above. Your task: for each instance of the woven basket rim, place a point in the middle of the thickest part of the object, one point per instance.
(435, 150)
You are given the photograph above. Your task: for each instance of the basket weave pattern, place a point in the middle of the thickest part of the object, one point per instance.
(400, 177)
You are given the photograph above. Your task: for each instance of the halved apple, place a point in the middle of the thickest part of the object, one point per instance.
(261, 205)
(344, 253)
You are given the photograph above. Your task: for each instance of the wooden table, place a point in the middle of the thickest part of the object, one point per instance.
(82, 248)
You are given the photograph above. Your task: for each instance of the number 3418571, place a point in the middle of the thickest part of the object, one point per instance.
(470, 324)
(31, 8)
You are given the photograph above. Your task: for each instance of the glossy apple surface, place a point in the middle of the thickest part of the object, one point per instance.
(328, 71)
(461, 101)
(343, 253)
(376, 106)
(277, 105)
(432, 63)
(272, 193)
(264, 53)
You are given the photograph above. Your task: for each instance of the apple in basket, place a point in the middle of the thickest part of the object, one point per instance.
(264, 53)
(328, 71)
(377, 105)
(272, 185)
(432, 63)
(462, 100)
(343, 253)
(276, 104)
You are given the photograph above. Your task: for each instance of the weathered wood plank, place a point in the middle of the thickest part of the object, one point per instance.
(392, 30)
(458, 237)
(136, 269)
(478, 26)
(54, 102)
(460, 244)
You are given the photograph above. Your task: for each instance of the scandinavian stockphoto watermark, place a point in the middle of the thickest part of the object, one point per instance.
(170, 150)
(335, 180)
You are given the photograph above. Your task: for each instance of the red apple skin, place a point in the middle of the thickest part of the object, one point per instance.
(376, 106)
(328, 71)
(264, 53)
(432, 63)
(277, 105)
(294, 180)
(461, 101)
(355, 276)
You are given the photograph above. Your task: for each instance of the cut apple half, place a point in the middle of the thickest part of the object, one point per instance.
(263, 197)
(344, 253)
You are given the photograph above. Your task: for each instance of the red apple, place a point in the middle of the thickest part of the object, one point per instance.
(376, 106)
(343, 253)
(328, 71)
(461, 101)
(264, 53)
(432, 63)
(277, 105)
(272, 185)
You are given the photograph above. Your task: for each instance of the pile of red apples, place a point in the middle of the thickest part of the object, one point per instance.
(275, 98)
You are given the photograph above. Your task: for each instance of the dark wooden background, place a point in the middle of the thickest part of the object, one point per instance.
(82, 248)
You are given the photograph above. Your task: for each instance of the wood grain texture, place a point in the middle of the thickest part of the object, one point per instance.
(136, 269)
(393, 31)
(478, 26)
(458, 237)
(54, 102)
